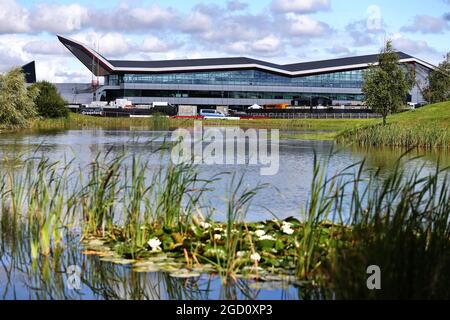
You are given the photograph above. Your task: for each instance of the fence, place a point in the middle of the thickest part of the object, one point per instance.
(318, 115)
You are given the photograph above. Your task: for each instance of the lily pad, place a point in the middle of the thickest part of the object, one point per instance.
(155, 258)
(94, 243)
(214, 252)
(118, 260)
(196, 230)
(204, 268)
(266, 244)
(146, 267)
(185, 273)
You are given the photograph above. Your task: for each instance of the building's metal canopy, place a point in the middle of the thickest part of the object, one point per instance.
(29, 71)
(101, 66)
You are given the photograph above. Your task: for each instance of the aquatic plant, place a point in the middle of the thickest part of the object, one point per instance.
(156, 220)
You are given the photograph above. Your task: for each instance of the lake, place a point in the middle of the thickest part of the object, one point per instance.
(287, 192)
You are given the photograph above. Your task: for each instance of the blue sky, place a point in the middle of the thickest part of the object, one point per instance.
(282, 31)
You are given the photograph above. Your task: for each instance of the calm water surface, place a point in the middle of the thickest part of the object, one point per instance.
(288, 192)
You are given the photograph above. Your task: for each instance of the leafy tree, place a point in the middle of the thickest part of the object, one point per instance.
(49, 102)
(438, 89)
(17, 106)
(387, 84)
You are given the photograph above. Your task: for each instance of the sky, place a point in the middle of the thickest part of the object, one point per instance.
(279, 31)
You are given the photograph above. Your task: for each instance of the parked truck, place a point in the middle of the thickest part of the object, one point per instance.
(159, 104)
(121, 104)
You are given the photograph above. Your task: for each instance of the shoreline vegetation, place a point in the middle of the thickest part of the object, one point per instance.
(82, 121)
(427, 127)
(353, 219)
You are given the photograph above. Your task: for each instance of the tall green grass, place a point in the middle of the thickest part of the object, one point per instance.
(427, 127)
(354, 218)
(398, 135)
(76, 121)
(398, 221)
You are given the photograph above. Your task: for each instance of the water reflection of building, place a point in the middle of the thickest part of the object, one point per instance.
(234, 81)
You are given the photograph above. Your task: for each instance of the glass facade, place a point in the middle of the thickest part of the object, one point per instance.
(346, 79)
(112, 94)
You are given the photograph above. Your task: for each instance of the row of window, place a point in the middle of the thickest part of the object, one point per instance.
(346, 79)
(112, 94)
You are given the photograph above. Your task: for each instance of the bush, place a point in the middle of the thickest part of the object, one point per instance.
(49, 102)
(17, 105)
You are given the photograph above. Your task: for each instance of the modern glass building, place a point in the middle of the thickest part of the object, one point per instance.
(237, 82)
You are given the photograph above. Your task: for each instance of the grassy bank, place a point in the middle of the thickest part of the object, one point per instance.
(79, 121)
(427, 127)
(353, 219)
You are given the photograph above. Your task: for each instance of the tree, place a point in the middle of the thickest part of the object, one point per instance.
(49, 102)
(387, 84)
(17, 106)
(438, 89)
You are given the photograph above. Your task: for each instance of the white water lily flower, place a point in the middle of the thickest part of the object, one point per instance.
(286, 227)
(286, 224)
(267, 237)
(155, 244)
(255, 257)
(217, 237)
(260, 233)
(287, 230)
(205, 225)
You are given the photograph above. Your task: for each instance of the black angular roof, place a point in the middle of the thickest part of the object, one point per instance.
(244, 60)
(102, 66)
(29, 71)
(371, 58)
(189, 63)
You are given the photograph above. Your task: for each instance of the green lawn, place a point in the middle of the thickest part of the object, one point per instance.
(427, 127)
(434, 114)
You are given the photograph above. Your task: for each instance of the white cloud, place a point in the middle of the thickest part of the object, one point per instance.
(340, 50)
(300, 6)
(197, 22)
(59, 70)
(9, 59)
(427, 24)
(150, 16)
(410, 46)
(13, 17)
(363, 36)
(302, 25)
(235, 5)
(155, 44)
(45, 47)
(267, 45)
(133, 19)
(109, 44)
(11, 52)
(59, 18)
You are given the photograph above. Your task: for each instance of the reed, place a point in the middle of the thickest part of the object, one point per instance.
(160, 122)
(399, 222)
(354, 218)
(238, 200)
(427, 127)
(397, 135)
